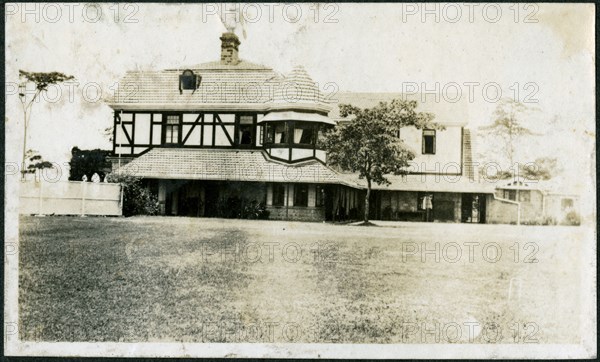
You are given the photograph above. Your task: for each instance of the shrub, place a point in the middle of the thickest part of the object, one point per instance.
(255, 210)
(546, 220)
(137, 200)
(241, 208)
(572, 218)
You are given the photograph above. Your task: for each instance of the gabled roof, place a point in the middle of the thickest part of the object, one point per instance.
(226, 165)
(446, 113)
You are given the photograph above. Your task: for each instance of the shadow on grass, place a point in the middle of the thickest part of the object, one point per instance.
(365, 223)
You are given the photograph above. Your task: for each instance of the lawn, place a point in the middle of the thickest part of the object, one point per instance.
(213, 280)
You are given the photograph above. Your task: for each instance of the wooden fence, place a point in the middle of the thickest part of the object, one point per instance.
(70, 198)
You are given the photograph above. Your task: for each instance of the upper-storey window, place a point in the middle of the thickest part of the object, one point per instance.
(397, 134)
(172, 129)
(428, 142)
(304, 133)
(246, 130)
(276, 132)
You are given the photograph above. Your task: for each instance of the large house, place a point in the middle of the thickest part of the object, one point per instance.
(232, 133)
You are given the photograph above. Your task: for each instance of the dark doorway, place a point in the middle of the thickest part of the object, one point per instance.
(473, 208)
(211, 196)
(190, 200)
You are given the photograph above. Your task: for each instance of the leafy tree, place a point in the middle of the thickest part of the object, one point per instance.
(88, 162)
(544, 168)
(508, 127)
(36, 162)
(41, 82)
(367, 142)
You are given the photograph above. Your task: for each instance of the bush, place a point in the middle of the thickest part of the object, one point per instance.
(137, 200)
(547, 220)
(572, 218)
(241, 208)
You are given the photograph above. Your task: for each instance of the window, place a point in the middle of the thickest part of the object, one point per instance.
(276, 132)
(524, 196)
(566, 204)
(172, 129)
(301, 195)
(320, 196)
(278, 194)
(510, 195)
(397, 133)
(304, 133)
(428, 142)
(246, 130)
(321, 137)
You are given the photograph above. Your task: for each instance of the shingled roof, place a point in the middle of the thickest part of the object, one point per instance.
(244, 86)
(426, 183)
(226, 165)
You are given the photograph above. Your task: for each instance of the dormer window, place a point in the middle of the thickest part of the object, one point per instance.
(188, 81)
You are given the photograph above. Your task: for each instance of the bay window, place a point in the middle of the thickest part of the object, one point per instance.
(304, 133)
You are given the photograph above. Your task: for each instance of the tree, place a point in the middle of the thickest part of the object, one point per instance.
(41, 82)
(88, 162)
(544, 168)
(367, 142)
(36, 162)
(508, 127)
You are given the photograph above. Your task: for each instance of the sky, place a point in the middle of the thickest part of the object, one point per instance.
(541, 54)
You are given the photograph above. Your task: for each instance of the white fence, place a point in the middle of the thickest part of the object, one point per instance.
(70, 198)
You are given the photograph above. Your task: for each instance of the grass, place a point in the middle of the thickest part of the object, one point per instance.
(211, 280)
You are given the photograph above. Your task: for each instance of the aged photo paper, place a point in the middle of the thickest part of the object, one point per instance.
(315, 180)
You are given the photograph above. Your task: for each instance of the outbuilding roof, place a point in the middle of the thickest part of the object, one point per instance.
(427, 183)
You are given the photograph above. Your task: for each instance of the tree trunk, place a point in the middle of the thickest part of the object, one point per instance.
(367, 197)
(24, 145)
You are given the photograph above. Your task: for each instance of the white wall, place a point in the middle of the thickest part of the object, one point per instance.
(447, 157)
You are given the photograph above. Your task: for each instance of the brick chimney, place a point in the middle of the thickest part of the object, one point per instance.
(229, 48)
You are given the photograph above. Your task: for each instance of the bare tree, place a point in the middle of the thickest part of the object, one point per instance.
(508, 126)
(41, 82)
